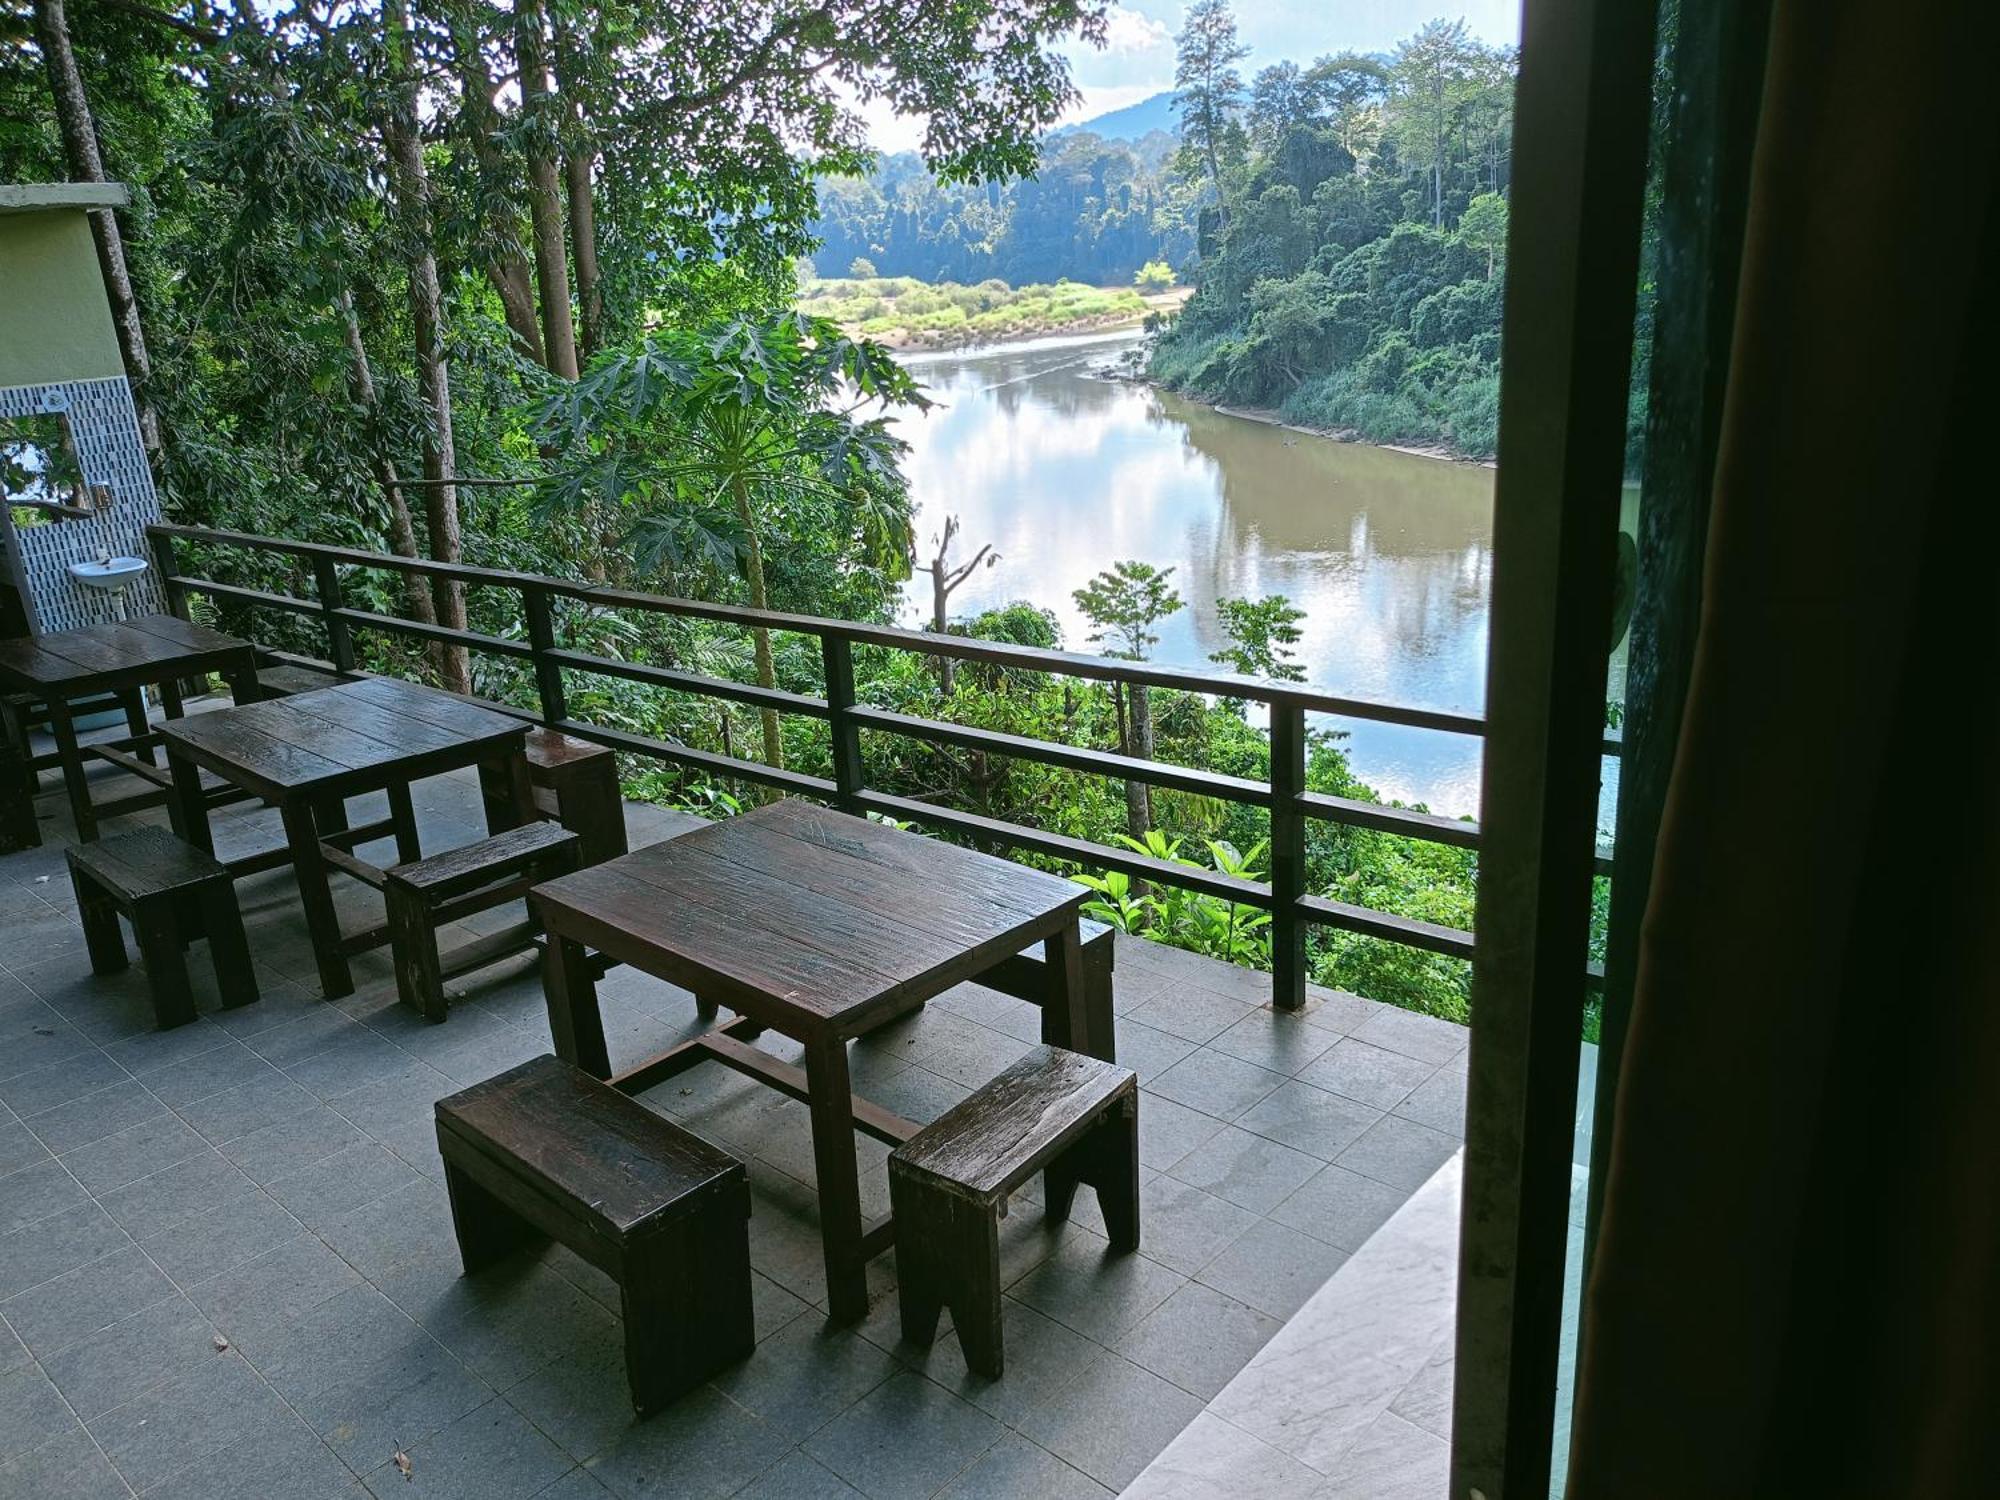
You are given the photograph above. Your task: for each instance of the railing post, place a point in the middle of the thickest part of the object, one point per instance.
(161, 544)
(838, 652)
(1288, 855)
(542, 640)
(339, 638)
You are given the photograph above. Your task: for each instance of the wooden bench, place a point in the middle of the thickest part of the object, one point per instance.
(576, 785)
(424, 894)
(1076, 1116)
(1025, 975)
(545, 1149)
(171, 892)
(284, 679)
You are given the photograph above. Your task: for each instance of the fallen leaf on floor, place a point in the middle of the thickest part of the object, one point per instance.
(221, 1343)
(403, 1465)
(45, 1031)
(41, 880)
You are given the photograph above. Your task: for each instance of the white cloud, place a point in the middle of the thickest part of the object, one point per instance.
(1128, 30)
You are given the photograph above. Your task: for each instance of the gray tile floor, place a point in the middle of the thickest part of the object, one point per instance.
(227, 1269)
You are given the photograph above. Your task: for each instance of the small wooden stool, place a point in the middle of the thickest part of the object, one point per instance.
(172, 892)
(424, 894)
(545, 1149)
(948, 1185)
(576, 785)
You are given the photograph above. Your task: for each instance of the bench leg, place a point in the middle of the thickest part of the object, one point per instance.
(413, 943)
(687, 1308)
(487, 1229)
(165, 958)
(228, 949)
(1108, 1159)
(948, 1255)
(101, 935)
(591, 806)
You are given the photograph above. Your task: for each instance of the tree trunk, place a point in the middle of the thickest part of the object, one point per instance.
(545, 204)
(1139, 794)
(940, 614)
(506, 265)
(579, 162)
(411, 187)
(767, 669)
(79, 138)
(402, 529)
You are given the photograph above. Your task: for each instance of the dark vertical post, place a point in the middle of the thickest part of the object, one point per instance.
(339, 638)
(1581, 114)
(542, 640)
(1288, 854)
(847, 774)
(161, 543)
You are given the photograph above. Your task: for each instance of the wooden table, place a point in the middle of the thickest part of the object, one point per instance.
(307, 754)
(119, 659)
(819, 926)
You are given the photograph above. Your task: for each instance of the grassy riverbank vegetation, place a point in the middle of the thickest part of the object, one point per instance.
(906, 313)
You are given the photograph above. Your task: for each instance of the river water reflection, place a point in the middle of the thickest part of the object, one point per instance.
(1389, 554)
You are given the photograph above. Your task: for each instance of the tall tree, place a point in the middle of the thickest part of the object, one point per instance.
(1209, 92)
(541, 134)
(410, 189)
(1123, 604)
(1430, 84)
(79, 138)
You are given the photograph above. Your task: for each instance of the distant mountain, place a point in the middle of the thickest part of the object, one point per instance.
(1133, 122)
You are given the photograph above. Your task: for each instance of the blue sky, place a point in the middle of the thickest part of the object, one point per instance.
(1138, 59)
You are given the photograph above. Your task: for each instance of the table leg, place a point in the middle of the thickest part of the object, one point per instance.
(187, 805)
(1072, 1016)
(133, 701)
(839, 1183)
(316, 894)
(63, 726)
(404, 815)
(242, 684)
(576, 1025)
(171, 705)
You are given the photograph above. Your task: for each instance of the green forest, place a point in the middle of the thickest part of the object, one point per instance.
(1094, 211)
(1352, 237)
(512, 284)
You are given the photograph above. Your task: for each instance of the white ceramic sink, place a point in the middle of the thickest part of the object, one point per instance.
(113, 573)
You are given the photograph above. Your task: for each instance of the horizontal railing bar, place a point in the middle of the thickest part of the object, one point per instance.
(1449, 941)
(1095, 762)
(703, 760)
(963, 648)
(258, 597)
(1459, 833)
(498, 645)
(352, 557)
(1082, 851)
(691, 682)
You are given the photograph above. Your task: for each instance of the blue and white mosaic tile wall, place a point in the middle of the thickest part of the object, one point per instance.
(105, 429)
